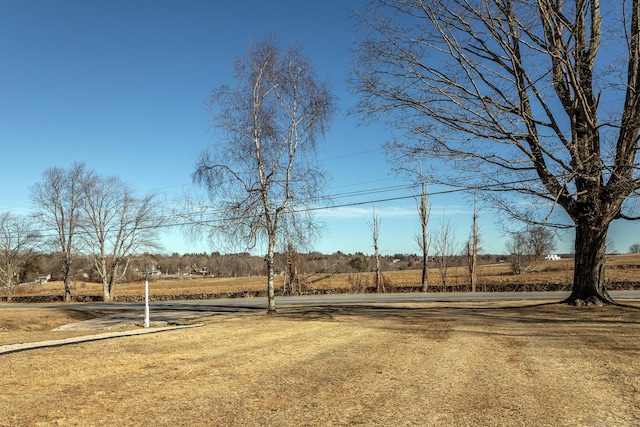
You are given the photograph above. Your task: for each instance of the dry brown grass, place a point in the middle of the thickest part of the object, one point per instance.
(427, 364)
(29, 325)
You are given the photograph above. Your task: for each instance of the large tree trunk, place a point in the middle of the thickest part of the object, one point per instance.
(106, 291)
(589, 265)
(67, 279)
(108, 285)
(67, 290)
(101, 268)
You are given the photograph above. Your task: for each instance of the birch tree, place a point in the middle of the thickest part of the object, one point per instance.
(261, 174)
(536, 100)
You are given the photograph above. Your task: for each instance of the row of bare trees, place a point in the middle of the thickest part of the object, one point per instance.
(80, 213)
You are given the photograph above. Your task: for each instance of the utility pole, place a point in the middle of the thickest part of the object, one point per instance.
(146, 301)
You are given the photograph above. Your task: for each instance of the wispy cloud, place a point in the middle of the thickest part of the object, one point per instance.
(19, 210)
(354, 212)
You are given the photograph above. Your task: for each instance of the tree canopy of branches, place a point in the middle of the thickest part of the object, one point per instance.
(519, 251)
(359, 263)
(57, 200)
(115, 225)
(18, 241)
(531, 99)
(87, 214)
(529, 245)
(542, 241)
(261, 174)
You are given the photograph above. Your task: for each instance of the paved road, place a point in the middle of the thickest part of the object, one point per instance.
(250, 304)
(168, 313)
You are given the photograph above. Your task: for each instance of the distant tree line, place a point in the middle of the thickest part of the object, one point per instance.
(35, 265)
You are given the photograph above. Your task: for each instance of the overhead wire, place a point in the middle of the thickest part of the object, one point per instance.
(179, 219)
(458, 189)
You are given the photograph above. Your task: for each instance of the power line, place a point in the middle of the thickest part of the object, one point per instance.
(458, 189)
(168, 223)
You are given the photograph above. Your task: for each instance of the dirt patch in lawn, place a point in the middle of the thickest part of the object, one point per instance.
(421, 364)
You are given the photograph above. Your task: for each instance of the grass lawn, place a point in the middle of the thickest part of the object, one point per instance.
(429, 364)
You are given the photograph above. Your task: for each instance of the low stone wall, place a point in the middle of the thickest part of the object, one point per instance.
(524, 287)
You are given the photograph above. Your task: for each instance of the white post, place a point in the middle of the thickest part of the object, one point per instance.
(146, 303)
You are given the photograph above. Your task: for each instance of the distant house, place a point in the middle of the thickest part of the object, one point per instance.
(552, 257)
(44, 279)
(153, 272)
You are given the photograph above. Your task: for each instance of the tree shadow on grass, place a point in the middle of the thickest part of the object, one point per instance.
(550, 320)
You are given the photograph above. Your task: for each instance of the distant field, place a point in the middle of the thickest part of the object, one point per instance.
(620, 268)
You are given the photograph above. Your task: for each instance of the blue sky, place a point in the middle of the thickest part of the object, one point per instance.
(122, 85)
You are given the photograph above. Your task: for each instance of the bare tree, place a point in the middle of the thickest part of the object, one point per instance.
(472, 247)
(408, 161)
(293, 275)
(519, 249)
(445, 247)
(542, 241)
(262, 175)
(374, 226)
(57, 199)
(509, 93)
(529, 245)
(635, 248)
(18, 240)
(424, 212)
(115, 226)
